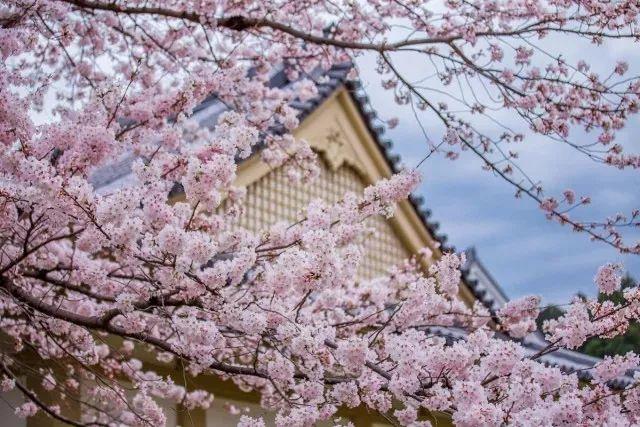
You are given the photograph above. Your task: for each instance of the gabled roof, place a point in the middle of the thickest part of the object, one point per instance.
(119, 173)
(481, 283)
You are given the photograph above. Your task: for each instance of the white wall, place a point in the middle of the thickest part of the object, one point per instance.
(219, 416)
(8, 403)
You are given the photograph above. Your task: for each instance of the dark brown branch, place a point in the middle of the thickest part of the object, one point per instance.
(243, 23)
(32, 397)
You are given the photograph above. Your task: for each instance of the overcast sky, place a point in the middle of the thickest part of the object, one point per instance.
(523, 251)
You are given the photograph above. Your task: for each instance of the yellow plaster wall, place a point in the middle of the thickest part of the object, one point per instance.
(274, 198)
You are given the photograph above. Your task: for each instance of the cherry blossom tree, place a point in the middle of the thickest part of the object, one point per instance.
(109, 288)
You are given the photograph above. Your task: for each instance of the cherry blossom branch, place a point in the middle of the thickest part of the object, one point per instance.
(494, 168)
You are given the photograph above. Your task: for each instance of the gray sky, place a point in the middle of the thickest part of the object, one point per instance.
(525, 252)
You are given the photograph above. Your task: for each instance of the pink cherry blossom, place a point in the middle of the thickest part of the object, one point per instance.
(26, 410)
(118, 280)
(612, 367)
(519, 316)
(608, 278)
